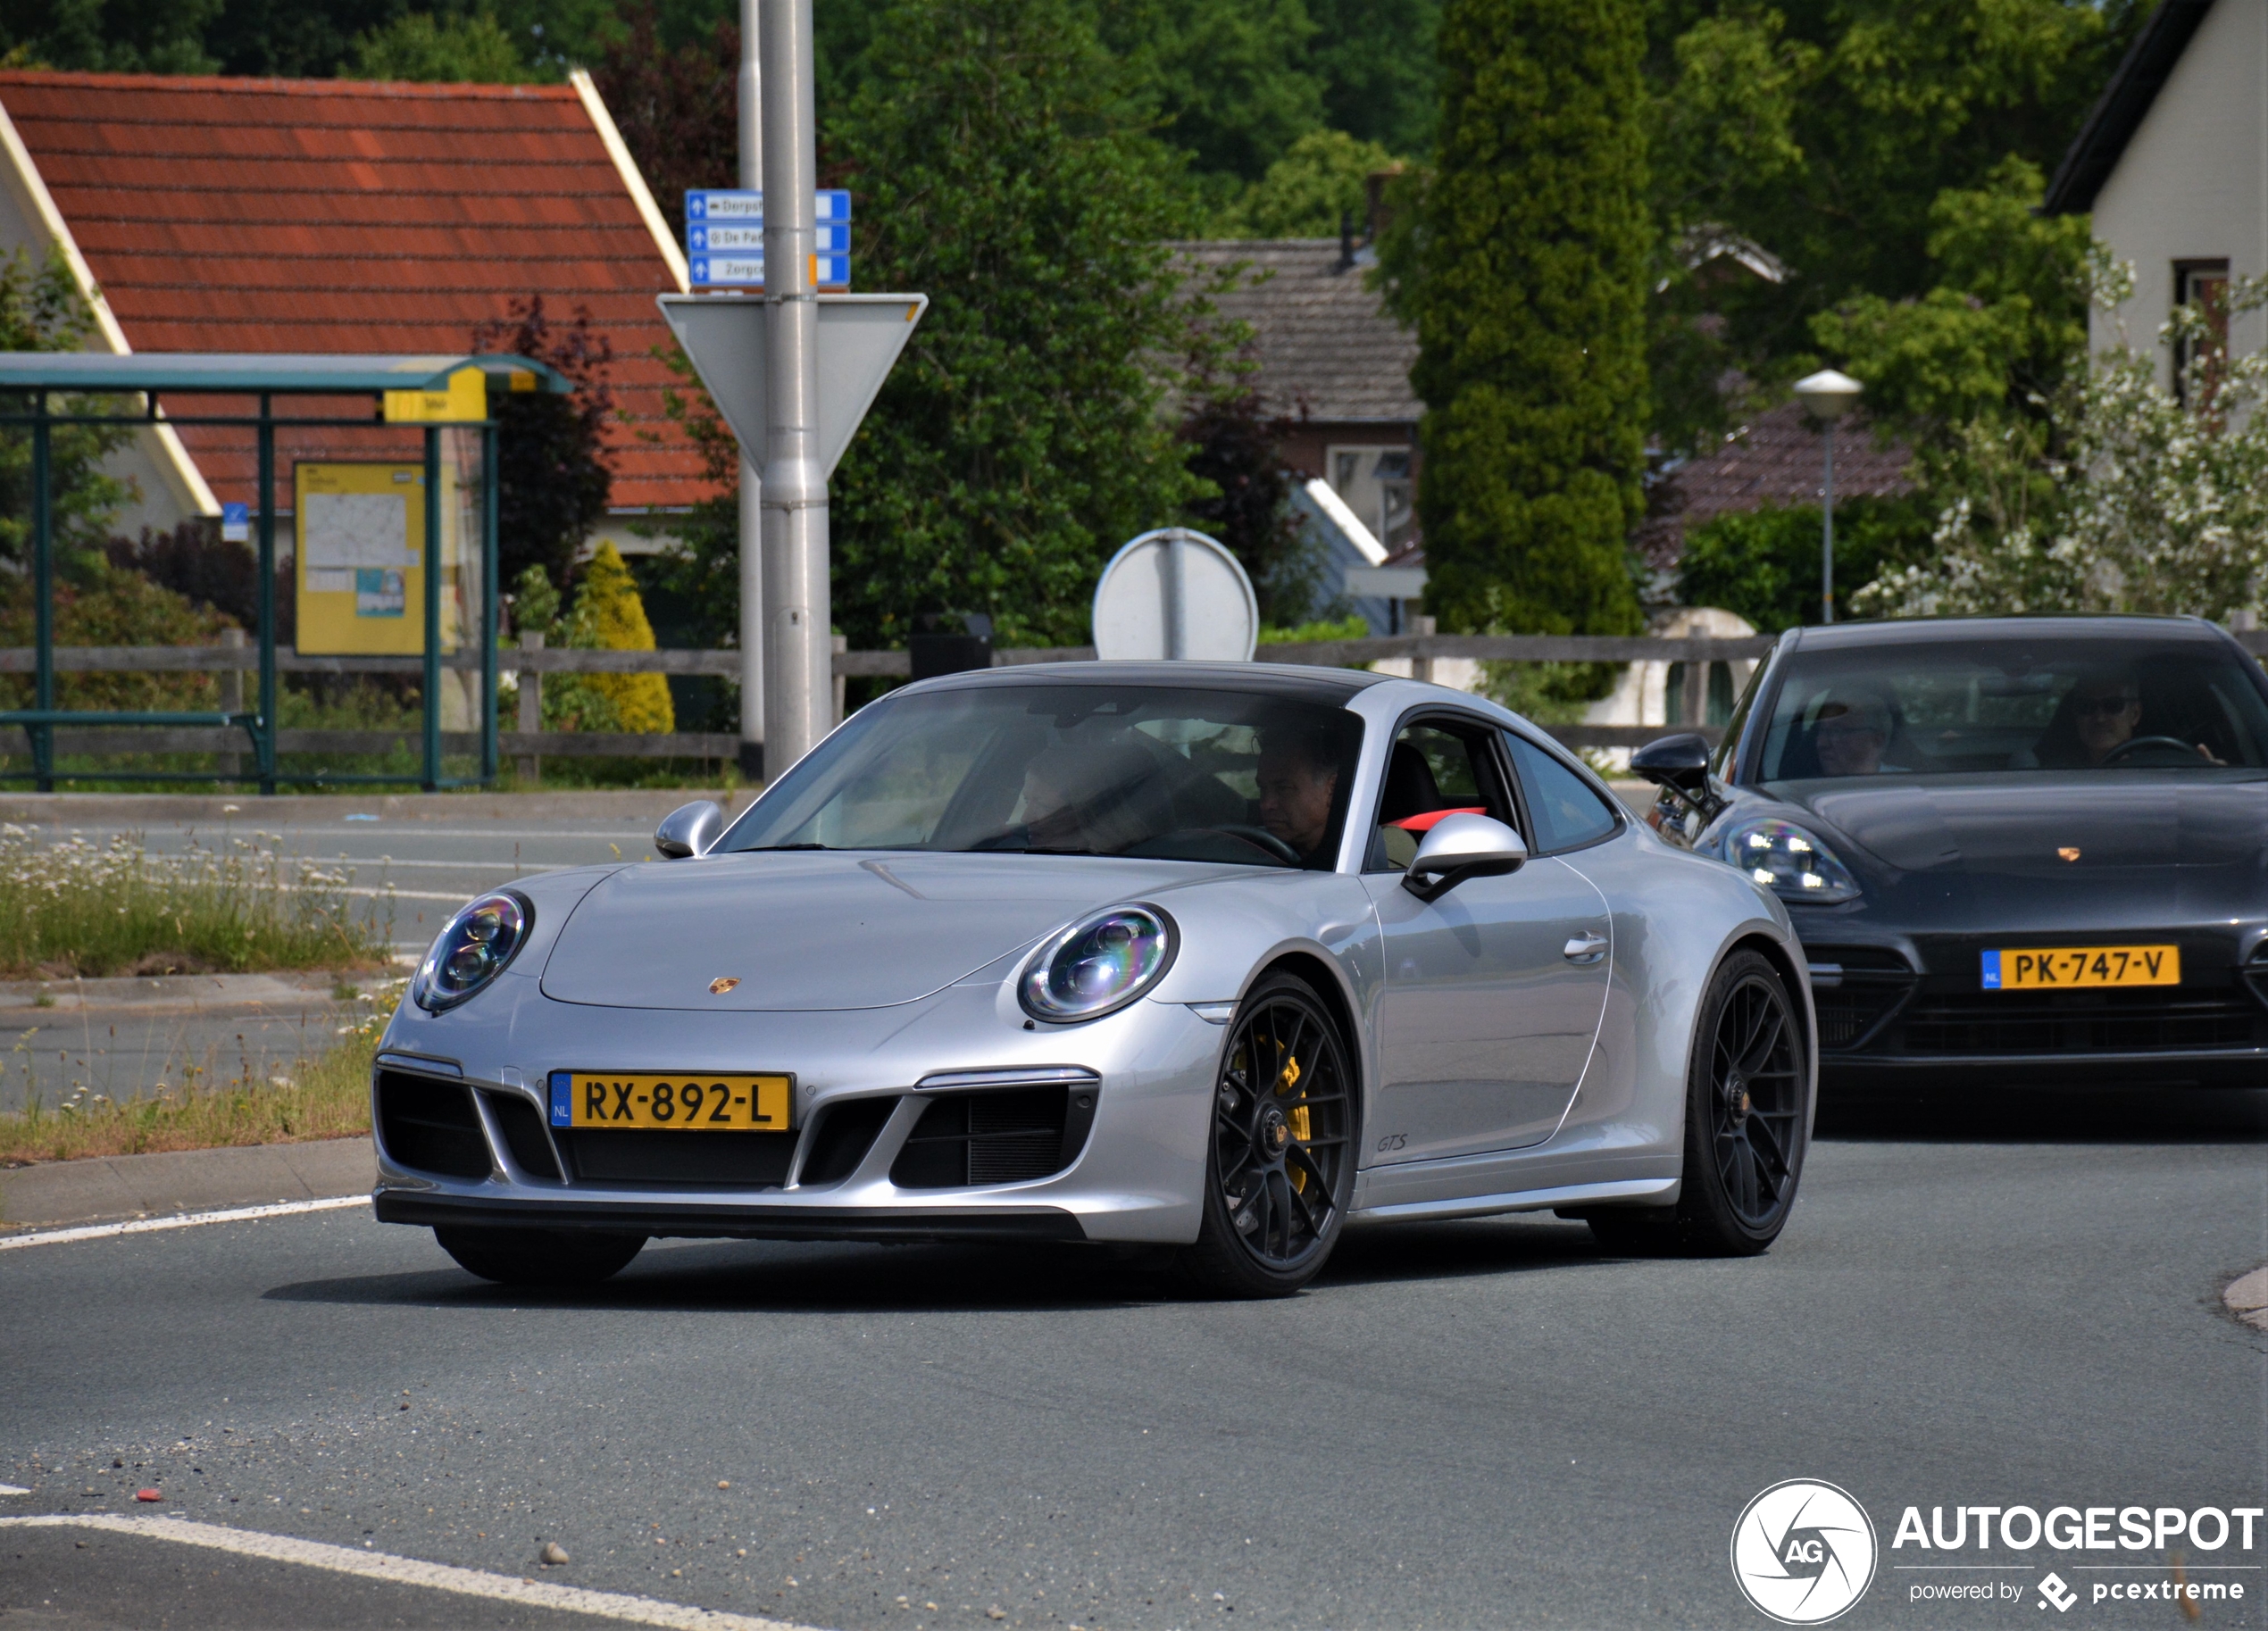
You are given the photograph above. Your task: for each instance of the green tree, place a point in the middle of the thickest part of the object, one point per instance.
(1997, 337)
(443, 49)
(1523, 262)
(1375, 60)
(1764, 564)
(110, 35)
(1827, 131)
(41, 310)
(552, 479)
(1319, 183)
(1020, 439)
(1228, 79)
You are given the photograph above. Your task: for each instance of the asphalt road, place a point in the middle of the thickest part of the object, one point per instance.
(1471, 1424)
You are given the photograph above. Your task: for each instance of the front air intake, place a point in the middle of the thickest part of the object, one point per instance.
(431, 1126)
(1009, 1136)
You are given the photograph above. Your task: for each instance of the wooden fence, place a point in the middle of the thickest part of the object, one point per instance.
(721, 746)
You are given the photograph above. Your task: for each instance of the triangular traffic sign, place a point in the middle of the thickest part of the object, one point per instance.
(860, 337)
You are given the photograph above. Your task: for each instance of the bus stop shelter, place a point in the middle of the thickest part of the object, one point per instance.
(42, 390)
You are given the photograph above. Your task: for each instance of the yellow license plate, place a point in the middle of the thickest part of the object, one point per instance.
(710, 1103)
(2076, 968)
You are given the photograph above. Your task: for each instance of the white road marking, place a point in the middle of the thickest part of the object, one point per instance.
(181, 1220)
(408, 1571)
(13, 1489)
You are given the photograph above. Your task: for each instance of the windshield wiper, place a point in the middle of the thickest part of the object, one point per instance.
(774, 849)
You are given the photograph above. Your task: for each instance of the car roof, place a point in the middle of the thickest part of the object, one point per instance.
(1919, 631)
(1286, 679)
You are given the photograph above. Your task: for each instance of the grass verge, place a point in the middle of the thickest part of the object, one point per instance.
(74, 907)
(327, 1096)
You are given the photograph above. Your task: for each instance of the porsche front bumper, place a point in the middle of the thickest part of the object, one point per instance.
(949, 1122)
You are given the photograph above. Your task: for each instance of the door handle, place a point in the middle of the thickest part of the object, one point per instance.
(1584, 948)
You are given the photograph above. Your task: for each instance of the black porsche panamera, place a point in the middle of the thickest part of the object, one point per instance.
(2013, 848)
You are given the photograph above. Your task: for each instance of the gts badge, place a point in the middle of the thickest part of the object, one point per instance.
(1393, 1141)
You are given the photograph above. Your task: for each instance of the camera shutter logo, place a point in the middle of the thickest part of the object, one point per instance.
(1804, 1552)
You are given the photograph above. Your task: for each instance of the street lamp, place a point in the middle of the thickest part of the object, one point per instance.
(1828, 395)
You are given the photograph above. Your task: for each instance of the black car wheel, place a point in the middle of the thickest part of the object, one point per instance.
(556, 1259)
(1278, 1162)
(1748, 1121)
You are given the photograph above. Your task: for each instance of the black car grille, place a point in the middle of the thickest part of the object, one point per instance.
(1878, 1007)
(841, 1137)
(523, 1135)
(2076, 1022)
(1870, 985)
(429, 1126)
(685, 1161)
(1006, 1136)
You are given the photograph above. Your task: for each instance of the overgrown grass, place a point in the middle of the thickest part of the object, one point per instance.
(74, 907)
(327, 1096)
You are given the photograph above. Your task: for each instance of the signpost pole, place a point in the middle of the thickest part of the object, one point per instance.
(43, 593)
(432, 554)
(752, 619)
(800, 687)
(488, 631)
(266, 740)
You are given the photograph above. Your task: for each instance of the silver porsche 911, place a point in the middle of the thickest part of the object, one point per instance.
(1216, 958)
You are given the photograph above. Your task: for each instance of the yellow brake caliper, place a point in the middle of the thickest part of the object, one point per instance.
(1287, 1079)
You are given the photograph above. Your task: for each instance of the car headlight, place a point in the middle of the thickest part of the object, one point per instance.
(1791, 861)
(1098, 965)
(473, 949)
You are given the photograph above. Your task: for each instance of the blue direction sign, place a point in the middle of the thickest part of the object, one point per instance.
(747, 206)
(727, 272)
(746, 238)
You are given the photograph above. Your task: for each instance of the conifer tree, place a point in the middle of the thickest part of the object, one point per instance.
(1523, 266)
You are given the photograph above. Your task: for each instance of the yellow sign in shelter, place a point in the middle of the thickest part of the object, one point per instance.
(361, 559)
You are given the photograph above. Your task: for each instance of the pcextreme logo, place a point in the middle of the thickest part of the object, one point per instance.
(1803, 1552)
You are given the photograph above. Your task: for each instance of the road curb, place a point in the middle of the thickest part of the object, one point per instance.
(291, 991)
(108, 1188)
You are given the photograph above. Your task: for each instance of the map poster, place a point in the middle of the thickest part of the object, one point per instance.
(359, 534)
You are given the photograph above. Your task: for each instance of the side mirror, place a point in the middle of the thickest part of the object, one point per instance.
(688, 830)
(1680, 764)
(1462, 846)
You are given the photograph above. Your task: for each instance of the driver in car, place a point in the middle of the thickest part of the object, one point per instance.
(1851, 729)
(2105, 708)
(1298, 777)
(2102, 715)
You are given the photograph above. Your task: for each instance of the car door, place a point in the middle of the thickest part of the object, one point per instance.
(1493, 991)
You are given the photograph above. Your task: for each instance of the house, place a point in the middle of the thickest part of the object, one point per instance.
(2172, 164)
(1334, 371)
(331, 215)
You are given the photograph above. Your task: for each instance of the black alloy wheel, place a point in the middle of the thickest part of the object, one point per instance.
(1279, 1154)
(555, 1259)
(1747, 1123)
(1754, 1099)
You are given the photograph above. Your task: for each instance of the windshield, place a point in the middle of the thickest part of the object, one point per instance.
(2014, 705)
(1073, 769)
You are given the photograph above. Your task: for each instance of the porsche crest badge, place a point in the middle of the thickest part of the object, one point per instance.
(722, 983)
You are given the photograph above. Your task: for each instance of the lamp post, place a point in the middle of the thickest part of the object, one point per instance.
(1828, 395)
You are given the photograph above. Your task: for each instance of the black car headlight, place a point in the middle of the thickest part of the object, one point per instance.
(1791, 861)
(1098, 965)
(479, 941)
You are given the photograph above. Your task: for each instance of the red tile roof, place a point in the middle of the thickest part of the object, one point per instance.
(310, 215)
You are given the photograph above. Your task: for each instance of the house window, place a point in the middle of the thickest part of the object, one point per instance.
(2199, 366)
(1375, 482)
